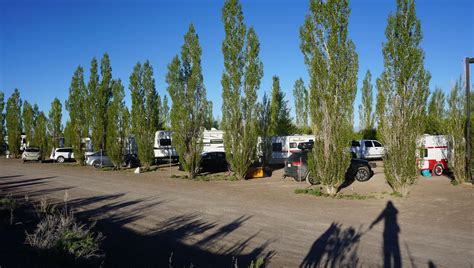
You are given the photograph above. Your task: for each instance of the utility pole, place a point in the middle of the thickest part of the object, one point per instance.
(468, 120)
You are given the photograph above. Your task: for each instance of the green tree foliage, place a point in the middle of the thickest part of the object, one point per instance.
(209, 121)
(264, 149)
(103, 97)
(366, 117)
(300, 94)
(117, 124)
(13, 122)
(68, 134)
(242, 74)
(455, 127)
(280, 121)
(76, 105)
(40, 138)
(144, 114)
(404, 85)
(2, 122)
(189, 109)
(165, 113)
(54, 124)
(333, 64)
(28, 120)
(93, 121)
(435, 119)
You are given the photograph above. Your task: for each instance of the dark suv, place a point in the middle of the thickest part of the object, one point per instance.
(212, 162)
(296, 167)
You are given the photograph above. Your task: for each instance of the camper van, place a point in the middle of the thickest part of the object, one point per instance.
(213, 141)
(283, 146)
(163, 146)
(433, 153)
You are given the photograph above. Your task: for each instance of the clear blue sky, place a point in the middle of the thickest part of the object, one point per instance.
(42, 42)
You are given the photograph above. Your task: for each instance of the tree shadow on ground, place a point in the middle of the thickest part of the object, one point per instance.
(336, 247)
(180, 241)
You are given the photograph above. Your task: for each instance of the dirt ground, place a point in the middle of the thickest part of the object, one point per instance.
(149, 217)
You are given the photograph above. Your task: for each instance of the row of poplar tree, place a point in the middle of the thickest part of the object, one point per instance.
(325, 108)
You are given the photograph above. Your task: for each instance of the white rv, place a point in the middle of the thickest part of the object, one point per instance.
(163, 145)
(433, 153)
(283, 146)
(213, 141)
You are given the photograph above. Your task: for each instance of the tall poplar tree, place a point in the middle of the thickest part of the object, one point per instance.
(300, 94)
(13, 122)
(68, 134)
(209, 118)
(333, 64)
(40, 138)
(28, 121)
(188, 94)
(116, 125)
(54, 124)
(144, 114)
(280, 122)
(93, 125)
(366, 116)
(76, 105)
(243, 71)
(435, 120)
(264, 149)
(404, 85)
(165, 113)
(455, 129)
(2, 122)
(103, 99)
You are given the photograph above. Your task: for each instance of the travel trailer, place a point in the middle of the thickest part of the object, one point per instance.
(163, 146)
(433, 153)
(213, 141)
(283, 146)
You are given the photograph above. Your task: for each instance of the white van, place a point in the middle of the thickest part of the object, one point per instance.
(367, 149)
(213, 141)
(62, 154)
(163, 145)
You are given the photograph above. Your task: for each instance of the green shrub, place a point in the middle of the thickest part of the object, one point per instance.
(60, 232)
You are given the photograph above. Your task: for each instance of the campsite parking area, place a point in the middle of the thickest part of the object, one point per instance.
(148, 217)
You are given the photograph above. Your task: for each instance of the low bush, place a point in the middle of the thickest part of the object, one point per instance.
(61, 233)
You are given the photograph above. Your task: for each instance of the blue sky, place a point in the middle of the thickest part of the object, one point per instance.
(42, 42)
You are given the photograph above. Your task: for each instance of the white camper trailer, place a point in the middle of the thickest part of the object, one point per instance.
(213, 141)
(283, 146)
(433, 153)
(163, 145)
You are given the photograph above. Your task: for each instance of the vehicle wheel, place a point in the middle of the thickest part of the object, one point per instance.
(438, 170)
(96, 164)
(309, 179)
(362, 174)
(128, 164)
(60, 159)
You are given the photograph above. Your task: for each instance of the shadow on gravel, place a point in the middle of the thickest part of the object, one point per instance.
(11, 176)
(183, 240)
(391, 244)
(336, 247)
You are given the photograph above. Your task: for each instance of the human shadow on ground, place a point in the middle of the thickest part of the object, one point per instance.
(336, 247)
(391, 244)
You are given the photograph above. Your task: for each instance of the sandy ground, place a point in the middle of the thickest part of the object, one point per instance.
(150, 216)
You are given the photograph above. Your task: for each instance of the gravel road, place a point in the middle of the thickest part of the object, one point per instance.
(149, 217)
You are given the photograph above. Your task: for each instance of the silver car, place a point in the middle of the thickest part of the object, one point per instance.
(31, 154)
(99, 160)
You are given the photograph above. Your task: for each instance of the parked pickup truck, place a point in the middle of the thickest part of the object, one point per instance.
(367, 149)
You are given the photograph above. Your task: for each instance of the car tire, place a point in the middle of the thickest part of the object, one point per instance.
(96, 164)
(309, 179)
(362, 174)
(438, 169)
(60, 159)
